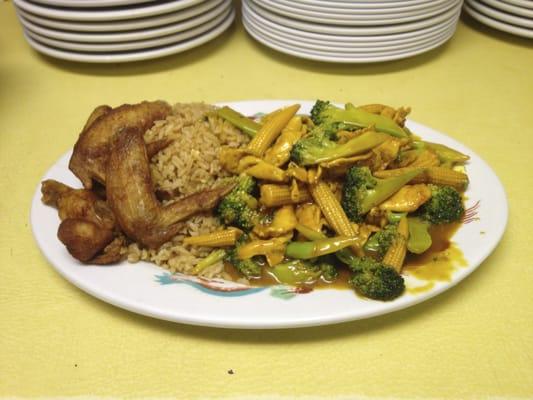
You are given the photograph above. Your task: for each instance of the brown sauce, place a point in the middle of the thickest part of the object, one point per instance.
(438, 263)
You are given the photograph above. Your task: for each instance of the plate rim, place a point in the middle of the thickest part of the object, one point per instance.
(145, 27)
(138, 45)
(106, 15)
(356, 18)
(403, 43)
(496, 24)
(257, 323)
(346, 30)
(139, 55)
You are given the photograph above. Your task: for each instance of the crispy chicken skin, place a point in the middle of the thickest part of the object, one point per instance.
(87, 226)
(91, 151)
(83, 239)
(131, 196)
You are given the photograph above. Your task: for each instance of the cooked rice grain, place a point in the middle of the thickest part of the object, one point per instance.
(189, 164)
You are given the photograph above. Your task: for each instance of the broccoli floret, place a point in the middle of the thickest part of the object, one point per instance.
(319, 146)
(375, 280)
(362, 191)
(239, 206)
(333, 119)
(329, 272)
(250, 268)
(380, 241)
(445, 205)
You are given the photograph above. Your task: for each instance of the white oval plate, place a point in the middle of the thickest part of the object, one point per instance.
(344, 47)
(128, 12)
(500, 15)
(149, 290)
(119, 37)
(326, 50)
(519, 11)
(347, 40)
(348, 30)
(134, 45)
(520, 3)
(354, 19)
(359, 57)
(332, 7)
(363, 4)
(133, 55)
(501, 26)
(89, 3)
(112, 31)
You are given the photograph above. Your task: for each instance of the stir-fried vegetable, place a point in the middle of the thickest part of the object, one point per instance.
(345, 189)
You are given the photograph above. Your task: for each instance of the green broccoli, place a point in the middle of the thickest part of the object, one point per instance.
(362, 191)
(380, 241)
(445, 205)
(319, 146)
(333, 119)
(375, 280)
(239, 207)
(250, 268)
(326, 265)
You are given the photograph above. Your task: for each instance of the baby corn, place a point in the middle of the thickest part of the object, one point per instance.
(226, 237)
(270, 130)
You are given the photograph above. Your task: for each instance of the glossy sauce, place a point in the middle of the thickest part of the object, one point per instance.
(438, 263)
(441, 260)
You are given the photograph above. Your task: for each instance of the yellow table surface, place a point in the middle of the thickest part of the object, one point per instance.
(472, 342)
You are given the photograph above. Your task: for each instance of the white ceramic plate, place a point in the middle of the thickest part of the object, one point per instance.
(360, 57)
(139, 35)
(347, 40)
(89, 3)
(133, 55)
(345, 46)
(135, 45)
(520, 3)
(354, 19)
(325, 49)
(500, 15)
(366, 8)
(348, 30)
(194, 15)
(501, 26)
(146, 289)
(364, 4)
(129, 12)
(519, 11)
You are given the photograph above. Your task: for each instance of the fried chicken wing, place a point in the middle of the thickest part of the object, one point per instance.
(88, 224)
(77, 203)
(91, 151)
(131, 195)
(84, 239)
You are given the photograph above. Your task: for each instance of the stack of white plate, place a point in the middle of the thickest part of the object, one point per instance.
(104, 31)
(351, 31)
(511, 16)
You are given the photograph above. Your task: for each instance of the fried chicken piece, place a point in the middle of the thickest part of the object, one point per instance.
(88, 224)
(131, 196)
(112, 253)
(83, 239)
(77, 203)
(91, 151)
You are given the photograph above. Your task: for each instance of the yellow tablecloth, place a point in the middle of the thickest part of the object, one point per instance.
(472, 342)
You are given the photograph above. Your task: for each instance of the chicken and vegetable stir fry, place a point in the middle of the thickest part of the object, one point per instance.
(344, 187)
